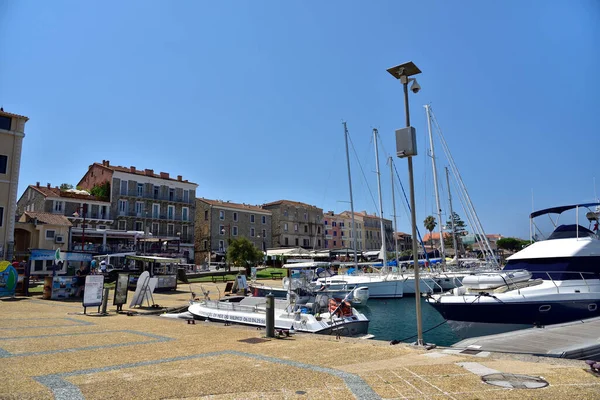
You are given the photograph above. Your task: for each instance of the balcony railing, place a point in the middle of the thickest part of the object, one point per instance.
(162, 217)
(174, 199)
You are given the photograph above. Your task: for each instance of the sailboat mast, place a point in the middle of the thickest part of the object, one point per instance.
(395, 230)
(351, 200)
(435, 185)
(452, 217)
(383, 247)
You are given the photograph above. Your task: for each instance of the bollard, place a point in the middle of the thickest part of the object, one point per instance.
(105, 301)
(270, 323)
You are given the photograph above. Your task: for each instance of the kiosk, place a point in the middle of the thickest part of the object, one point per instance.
(163, 268)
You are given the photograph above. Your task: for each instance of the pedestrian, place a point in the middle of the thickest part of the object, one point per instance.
(81, 274)
(103, 266)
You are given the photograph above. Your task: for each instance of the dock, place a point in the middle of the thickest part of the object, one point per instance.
(575, 340)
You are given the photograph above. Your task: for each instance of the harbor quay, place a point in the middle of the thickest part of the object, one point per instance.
(51, 350)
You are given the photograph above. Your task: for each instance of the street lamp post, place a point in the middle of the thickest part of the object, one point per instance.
(83, 210)
(403, 72)
(228, 242)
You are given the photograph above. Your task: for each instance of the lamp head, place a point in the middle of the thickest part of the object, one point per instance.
(415, 87)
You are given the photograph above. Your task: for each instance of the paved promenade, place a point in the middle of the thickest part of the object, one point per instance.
(49, 350)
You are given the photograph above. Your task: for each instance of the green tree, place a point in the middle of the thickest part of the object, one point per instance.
(101, 191)
(241, 252)
(65, 186)
(511, 244)
(459, 226)
(430, 225)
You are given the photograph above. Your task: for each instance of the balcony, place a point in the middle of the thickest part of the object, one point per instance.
(175, 199)
(161, 217)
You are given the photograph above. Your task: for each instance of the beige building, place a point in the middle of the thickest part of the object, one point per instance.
(41, 230)
(218, 222)
(296, 224)
(12, 132)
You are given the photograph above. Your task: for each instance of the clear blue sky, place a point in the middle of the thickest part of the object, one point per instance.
(246, 98)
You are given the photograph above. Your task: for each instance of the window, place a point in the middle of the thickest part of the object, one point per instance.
(305, 216)
(155, 210)
(5, 122)
(234, 230)
(235, 216)
(318, 229)
(186, 196)
(171, 194)
(156, 191)
(252, 233)
(122, 226)
(251, 218)
(101, 226)
(155, 228)
(170, 212)
(205, 244)
(285, 212)
(285, 240)
(206, 215)
(221, 229)
(221, 245)
(264, 219)
(184, 232)
(50, 233)
(139, 208)
(185, 211)
(170, 230)
(334, 233)
(221, 215)
(334, 243)
(326, 222)
(319, 243)
(58, 206)
(305, 242)
(140, 189)
(124, 188)
(342, 233)
(264, 233)
(285, 226)
(305, 228)
(333, 223)
(3, 164)
(296, 241)
(295, 227)
(326, 232)
(139, 226)
(122, 207)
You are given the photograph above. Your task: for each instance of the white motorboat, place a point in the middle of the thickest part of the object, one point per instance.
(322, 316)
(549, 282)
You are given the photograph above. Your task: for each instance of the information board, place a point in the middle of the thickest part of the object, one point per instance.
(121, 289)
(92, 295)
(63, 287)
(8, 279)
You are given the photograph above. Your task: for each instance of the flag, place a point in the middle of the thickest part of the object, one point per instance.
(57, 256)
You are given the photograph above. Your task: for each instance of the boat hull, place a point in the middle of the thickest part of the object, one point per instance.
(354, 325)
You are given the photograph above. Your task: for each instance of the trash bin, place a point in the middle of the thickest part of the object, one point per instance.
(70, 270)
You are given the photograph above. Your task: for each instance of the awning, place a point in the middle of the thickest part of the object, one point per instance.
(160, 260)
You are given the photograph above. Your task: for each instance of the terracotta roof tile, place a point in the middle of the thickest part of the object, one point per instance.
(13, 115)
(48, 218)
(291, 203)
(141, 172)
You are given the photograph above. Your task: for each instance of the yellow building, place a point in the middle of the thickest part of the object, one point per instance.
(12, 132)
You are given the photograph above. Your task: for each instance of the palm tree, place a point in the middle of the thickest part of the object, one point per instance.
(430, 225)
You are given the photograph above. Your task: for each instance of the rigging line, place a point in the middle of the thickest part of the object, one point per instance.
(416, 225)
(410, 337)
(363, 172)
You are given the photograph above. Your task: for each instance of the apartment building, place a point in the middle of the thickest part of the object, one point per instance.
(89, 220)
(12, 132)
(296, 224)
(372, 232)
(218, 222)
(158, 205)
(348, 232)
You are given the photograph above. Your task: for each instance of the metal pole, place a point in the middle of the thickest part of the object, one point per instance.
(413, 217)
(351, 201)
(105, 301)
(394, 211)
(383, 247)
(454, 243)
(270, 316)
(437, 194)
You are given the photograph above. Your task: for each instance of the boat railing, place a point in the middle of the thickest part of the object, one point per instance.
(580, 273)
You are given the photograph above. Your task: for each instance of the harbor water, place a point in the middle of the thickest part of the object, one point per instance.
(395, 319)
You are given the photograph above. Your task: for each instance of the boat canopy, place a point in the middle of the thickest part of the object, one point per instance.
(306, 265)
(561, 209)
(159, 260)
(559, 268)
(571, 231)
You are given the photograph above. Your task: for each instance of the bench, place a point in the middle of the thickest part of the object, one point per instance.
(276, 274)
(216, 278)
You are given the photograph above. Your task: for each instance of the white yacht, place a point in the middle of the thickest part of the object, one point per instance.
(551, 281)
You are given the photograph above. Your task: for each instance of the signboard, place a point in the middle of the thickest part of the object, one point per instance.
(92, 295)
(253, 273)
(121, 290)
(42, 254)
(167, 282)
(63, 287)
(8, 279)
(241, 282)
(142, 282)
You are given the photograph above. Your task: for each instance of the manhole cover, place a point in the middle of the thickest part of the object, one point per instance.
(253, 340)
(514, 381)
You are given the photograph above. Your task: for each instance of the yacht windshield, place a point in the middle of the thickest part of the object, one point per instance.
(559, 268)
(571, 231)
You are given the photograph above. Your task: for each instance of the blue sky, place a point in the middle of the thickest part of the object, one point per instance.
(247, 98)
